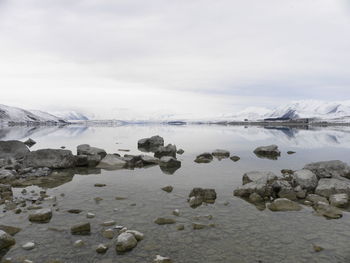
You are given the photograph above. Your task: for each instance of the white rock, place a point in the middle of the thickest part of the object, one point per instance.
(28, 246)
(90, 215)
(160, 259)
(125, 242)
(306, 179)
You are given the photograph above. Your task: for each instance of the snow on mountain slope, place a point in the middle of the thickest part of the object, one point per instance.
(18, 115)
(313, 109)
(71, 115)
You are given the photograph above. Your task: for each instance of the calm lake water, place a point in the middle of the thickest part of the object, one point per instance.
(242, 233)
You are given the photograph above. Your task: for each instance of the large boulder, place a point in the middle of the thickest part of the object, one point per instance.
(112, 162)
(169, 150)
(329, 169)
(125, 242)
(270, 152)
(6, 240)
(329, 186)
(283, 204)
(51, 158)
(306, 179)
(86, 149)
(150, 144)
(13, 149)
(258, 176)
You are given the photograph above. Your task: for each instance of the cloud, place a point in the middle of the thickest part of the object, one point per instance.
(216, 55)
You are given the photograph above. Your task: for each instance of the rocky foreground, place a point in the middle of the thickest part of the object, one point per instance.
(324, 185)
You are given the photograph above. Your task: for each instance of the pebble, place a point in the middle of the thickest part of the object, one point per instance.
(160, 259)
(108, 233)
(90, 215)
(180, 227)
(81, 229)
(164, 221)
(100, 185)
(79, 243)
(28, 246)
(101, 248)
(176, 212)
(109, 223)
(168, 189)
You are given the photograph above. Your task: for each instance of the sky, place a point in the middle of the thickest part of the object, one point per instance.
(138, 59)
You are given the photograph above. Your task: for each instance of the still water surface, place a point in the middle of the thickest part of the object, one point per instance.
(242, 233)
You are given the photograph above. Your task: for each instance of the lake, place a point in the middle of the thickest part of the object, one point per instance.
(240, 232)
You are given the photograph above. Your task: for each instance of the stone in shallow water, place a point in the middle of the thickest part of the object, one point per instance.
(221, 154)
(329, 169)
(10, 229)
(125, 242)
(329, 186)
(138, 235)
(164, 221)
(41, 215)
(101, 249)
(283, 204)
(269, 152)
(79, 243)
(6, 240)
(51, 158)
(168, 189)
(109, 223)
(90, 215)
(28, 246)
(112, 162)
(327, 210)
(204, 158)
(81, 229)
(235, 158)
(108, 233)
(160, 259)
(339, 200)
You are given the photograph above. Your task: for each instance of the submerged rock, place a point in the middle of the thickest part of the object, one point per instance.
(207, 195)
(51, 158)
(284, 204)
(164, 221)
(269, 152)
(41, 215)
(112, 162)
(235, 158)
(125, 242)
(204, 158)
(81, 229)
(168, 189)
(327, 210)
(13, 149)
(160, 259)
(6, 240)
(180, 151)
(329, 169)
(28, 246)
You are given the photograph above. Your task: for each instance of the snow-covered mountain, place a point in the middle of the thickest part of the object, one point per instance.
(71, 115)
(18, 115)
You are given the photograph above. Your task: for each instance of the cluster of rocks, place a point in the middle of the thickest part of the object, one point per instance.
(323, 185)
(198, 196)
(218, 154)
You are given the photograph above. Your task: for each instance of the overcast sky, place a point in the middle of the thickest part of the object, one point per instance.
(184, 57)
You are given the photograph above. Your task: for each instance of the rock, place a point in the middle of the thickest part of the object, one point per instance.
(160, 259)
(108, 233)
(150, 144)
(221, 154)
(290, 152)
(269, 152)
(101, 249)
(41, 215)
(180, 151)
(10, 229)
(82, 160)
(164, 221)
(6, 240)
(30, 142)
(255, 198)
(149, 160)
(329, 169)
(180, 227)
(74, 211)
(99, 185)
(86, 149)
(79, 243)
(207, 195)
(51, 158)
(198, 226)
(255, 176)
(329, 186)
(7, 175)
(125, 242)
(314, 199)
(13, 149)
(204, 158)
(284, 204)
(339, 200)
(317, 248)
(283, 189)
(168, 189)
(169, 150)
(235, 158)
(327, 210)
(306, 179)
(138, 235)
(112, 162)
(6, 192)
(109, 223)
(28, 246)
(81, 229)
(176, 212)
(195, 201)
(90, 215)
(169, 165)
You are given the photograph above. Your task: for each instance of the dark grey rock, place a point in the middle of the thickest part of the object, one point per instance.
(51, 158)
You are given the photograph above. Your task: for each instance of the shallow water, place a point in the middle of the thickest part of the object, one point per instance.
(242, 233)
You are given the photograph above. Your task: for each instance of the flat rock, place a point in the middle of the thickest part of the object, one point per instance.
(283, 204)
(41, 215)
(6, 240)
(13, 149)
(112, 162)
(10, 229)
(86, 149)
(101, 249)
(327, 210)
(254, 176)
(235, 158)
(81, 229)
(329, 169)
(164, 221)
(204, 158)
(329, 186)
(314, 199)
(51, 158)
(28, 246)
(160, 259)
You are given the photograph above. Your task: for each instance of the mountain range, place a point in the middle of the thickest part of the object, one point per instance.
(319, 110)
